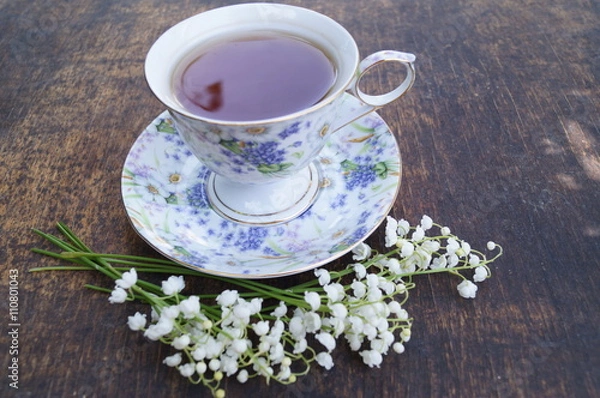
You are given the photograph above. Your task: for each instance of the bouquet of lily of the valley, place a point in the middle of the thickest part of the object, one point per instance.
(257, 330)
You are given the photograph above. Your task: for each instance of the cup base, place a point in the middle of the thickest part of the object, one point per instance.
(264, 204)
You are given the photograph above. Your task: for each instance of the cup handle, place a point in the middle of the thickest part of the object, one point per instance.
(368, 103)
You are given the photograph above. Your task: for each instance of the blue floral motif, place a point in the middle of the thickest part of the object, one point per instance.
(293, 129)
(358, 175)
(268, 251)
(339, 201)
(361, 172)
(250, 239)
(267, 157)
(358, 234)
(264, 153)
(196, 196)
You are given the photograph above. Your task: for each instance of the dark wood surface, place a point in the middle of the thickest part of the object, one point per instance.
(500, 139)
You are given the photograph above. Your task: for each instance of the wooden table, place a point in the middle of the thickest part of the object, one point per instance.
(500, 139)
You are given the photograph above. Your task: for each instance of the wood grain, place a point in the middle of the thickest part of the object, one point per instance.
(500, 140)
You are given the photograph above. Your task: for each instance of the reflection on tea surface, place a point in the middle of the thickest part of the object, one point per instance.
(254, 78)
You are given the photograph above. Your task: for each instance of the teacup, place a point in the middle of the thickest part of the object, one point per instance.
(263, 169)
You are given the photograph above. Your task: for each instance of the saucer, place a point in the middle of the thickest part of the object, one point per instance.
(164, 191)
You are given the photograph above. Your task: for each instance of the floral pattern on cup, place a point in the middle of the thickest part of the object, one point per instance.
(163, 188)
(259, 153)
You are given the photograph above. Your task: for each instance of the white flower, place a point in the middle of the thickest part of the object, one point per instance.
(335, 292)
(419, 234)
(300, 346)
(173, 360)
(276, 353)
(426, 222)
(229, 365)
(398, 347)
(474, 260)
(242, 376)
(261, 328)
(362, 251)
(439, 262)
(359, 289)
(199, 354)
(284, 373)
(242, 312)
(465, 249)
(356, 324)
(296, 326)
(480, 274)
(354, 341)
(467, 289)
(227, 298)
(314, 299)
(406, 248)
(445, 231)
(181, 342)
(393, 265)
(491, 245)
(173, 285)
(452, 260)
(187, 370)
(190, 307)
(159, 329)
(336, 326)
(128, 279)
(170, 312)
(360, 270)
(325, 360)
(327, 340)
(452, 246)
(264, 346)
(403, 227)
(214, 348)
(430, 246)
(371, 357)
(380, 346)
(394, 307)
(137, 321)
(401, 287)
(323, 275)
(154, 190)
(405, 335)
(312, 322)
(119, 295)
(262, 368)
(255, 305)
(391, 232)
(387, 337)
(388, 287)
(338, 310)
(402, 315)
(280, 311)
(214, 364)
(201, 367)
(239, 345)
(422, 257)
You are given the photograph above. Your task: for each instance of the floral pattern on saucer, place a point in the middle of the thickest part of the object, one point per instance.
(163, 189)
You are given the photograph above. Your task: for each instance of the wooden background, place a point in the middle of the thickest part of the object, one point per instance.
(500, 138)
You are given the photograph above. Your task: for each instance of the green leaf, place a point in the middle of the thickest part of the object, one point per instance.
(165, 127)
(172, 199)
(381, 170)
(349, 165)
(232, 145)
(273, 168)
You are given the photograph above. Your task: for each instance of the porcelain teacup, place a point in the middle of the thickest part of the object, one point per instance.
(263, 170)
